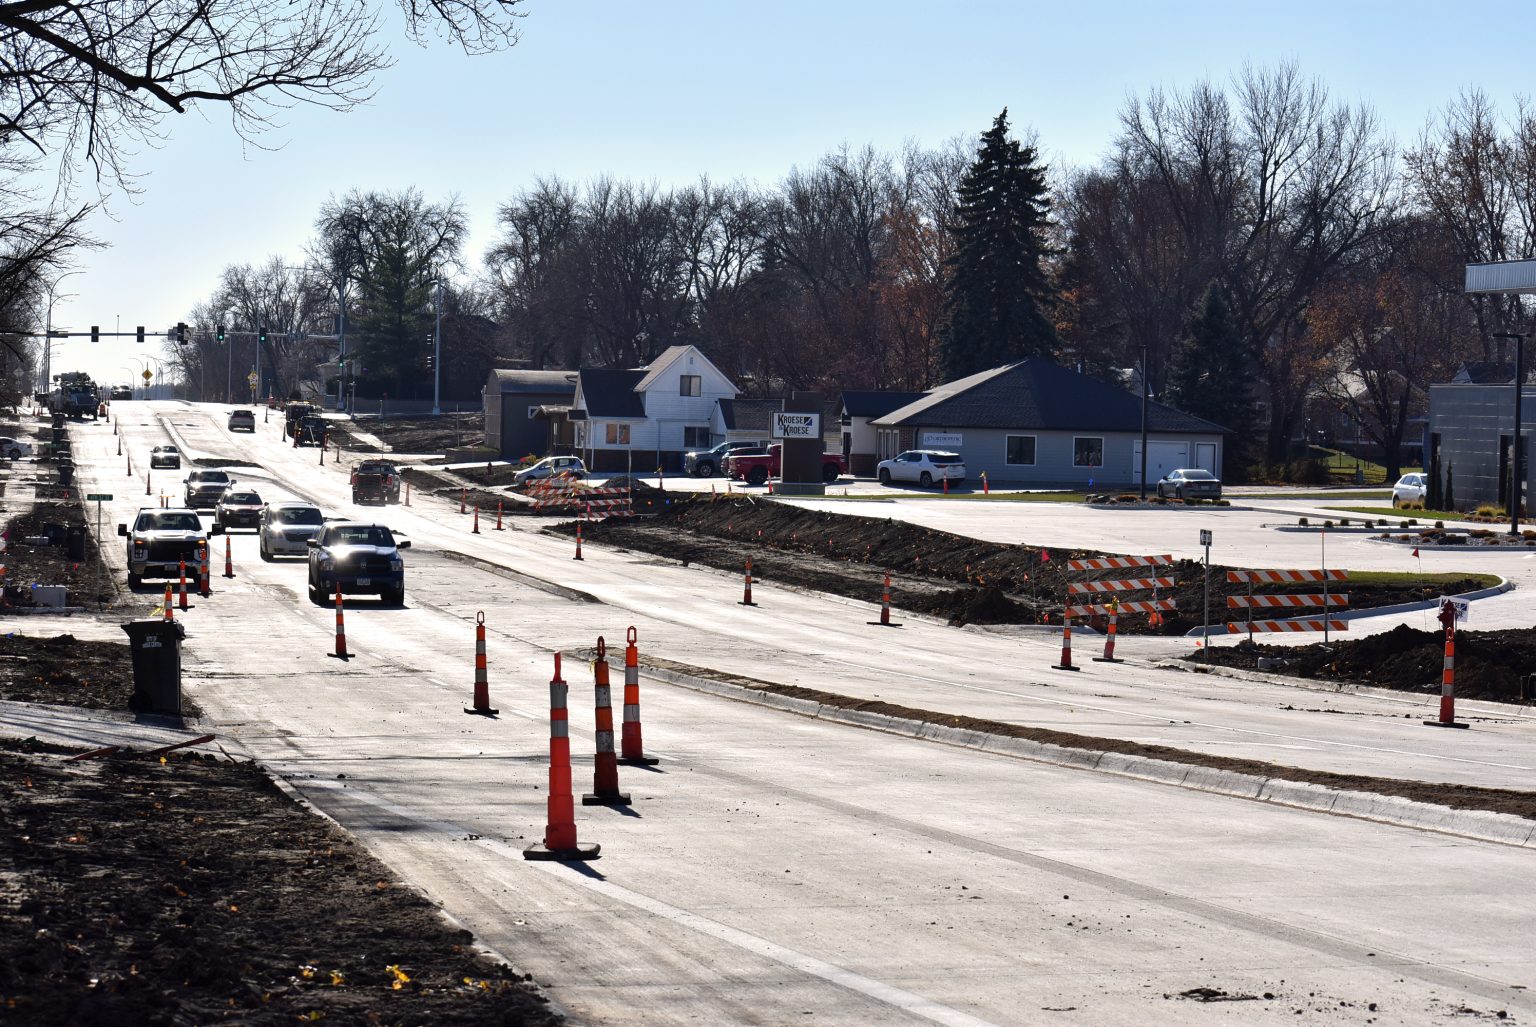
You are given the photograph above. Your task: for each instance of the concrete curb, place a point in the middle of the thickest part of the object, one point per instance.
(1476, 824)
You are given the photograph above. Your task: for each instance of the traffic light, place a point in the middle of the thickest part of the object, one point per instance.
(262, 337)
(95, 333)
(181, 333)
(141, 333)
(219, 331)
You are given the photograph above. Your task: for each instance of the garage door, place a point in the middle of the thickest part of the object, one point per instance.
(1162, 457)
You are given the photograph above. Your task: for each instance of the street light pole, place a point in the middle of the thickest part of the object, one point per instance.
(48, 329)
(1144, 421)
(437, 349)
(1517, 462)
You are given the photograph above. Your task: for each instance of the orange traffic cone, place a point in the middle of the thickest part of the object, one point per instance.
(746, 598)
(476, 529)
(498, 516)
(885, 606)
(632, 751)
(169, 607)
(560, 828)
(578, 542)
(463, 499)
(1109, 639)
(482, 688)
(407, 492)
(147, 490)
(229, 559)
(605, 777)
(202, 567)
(183, 600)
(341, 629)
(1448, 684)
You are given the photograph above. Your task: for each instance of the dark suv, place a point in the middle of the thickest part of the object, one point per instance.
(363, 558)
(205, 487)
(704, 463)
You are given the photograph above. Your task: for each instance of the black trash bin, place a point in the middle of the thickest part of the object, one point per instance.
(156, 646)
(66, 472)
(58, 433)
(75, 542)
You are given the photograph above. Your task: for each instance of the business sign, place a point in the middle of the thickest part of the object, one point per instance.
(939, 438)
(788, 425)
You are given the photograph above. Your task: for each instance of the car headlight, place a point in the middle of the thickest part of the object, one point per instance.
(325, 560)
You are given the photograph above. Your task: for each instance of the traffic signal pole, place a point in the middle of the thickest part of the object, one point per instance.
(437, 350)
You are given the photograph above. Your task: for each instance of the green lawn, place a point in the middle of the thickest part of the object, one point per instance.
(1341, 467)
(1412, 578)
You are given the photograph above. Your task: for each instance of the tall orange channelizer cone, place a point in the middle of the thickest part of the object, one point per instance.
(482, 688)
(1066, 645)
(129, 464)
(746, 598)
(560, 829)
(341, 628)
(498, 516)
(476, 529)
(229, 559)
(322, 450)
(463, 500)
(605, 777)
(986, 489)
(885, 605)
(578, 542)
(1109, 636)
(202, 567)
(119, 441)
(182, 601)
(169, 606)
(1448, 672)
(946, 484)
(631, 750)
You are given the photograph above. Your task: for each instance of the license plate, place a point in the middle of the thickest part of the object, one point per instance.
(365, 581)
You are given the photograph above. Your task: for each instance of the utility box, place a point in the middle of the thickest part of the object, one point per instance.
(156, 646)
(74, 542)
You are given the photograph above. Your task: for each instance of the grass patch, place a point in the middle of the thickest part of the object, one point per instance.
(1412, 579)
(1321, 497)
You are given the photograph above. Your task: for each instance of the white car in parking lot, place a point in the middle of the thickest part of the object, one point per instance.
(926, 467)
(1410, 488)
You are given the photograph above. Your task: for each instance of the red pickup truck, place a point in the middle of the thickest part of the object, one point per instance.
(757, 468)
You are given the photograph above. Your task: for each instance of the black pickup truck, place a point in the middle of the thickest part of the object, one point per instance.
(375, 481)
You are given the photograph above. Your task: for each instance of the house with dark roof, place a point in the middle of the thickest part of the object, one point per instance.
(518, 409)
(742, 420)
(856, 414)
(648, 417)
(1037, 423)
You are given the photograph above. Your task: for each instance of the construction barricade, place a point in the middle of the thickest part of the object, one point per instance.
(1114, 606)
(1325, 601)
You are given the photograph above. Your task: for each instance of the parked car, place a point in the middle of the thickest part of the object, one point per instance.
(704, 463)
(362, 558)
(923, 466)
(238, 508)
(14, 449)
(242, 420)
(756, 468)
(1189, 483)
(160, 540)
(286, 528)
(1410, 488)
(205, 487)
(570, 466)
(375, 481)
(165, 456)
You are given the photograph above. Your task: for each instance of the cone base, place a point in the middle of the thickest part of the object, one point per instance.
(486, 712)
(1107, 659)
(580, 852)
(339, 656)
(638, 761)
(745, 603)
(613, 799)
(883, 623)
(1447, 723)
(1064, 666)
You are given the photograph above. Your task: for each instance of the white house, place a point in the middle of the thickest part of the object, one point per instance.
(644, 418)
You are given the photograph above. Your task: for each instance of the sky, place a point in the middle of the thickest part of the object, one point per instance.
(668, 91)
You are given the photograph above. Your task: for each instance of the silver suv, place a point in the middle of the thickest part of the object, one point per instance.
(242, 420)
(205, 487)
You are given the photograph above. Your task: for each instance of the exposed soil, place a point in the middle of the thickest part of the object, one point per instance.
(961, 579)
(189, 889)
(422, 434)
(89, 581)
(1489, 664)
(67, 671)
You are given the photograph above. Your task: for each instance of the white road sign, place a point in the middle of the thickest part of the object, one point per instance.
(787, 425)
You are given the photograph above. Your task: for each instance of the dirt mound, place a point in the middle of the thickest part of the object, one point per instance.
(972, 606)
(1489, 664)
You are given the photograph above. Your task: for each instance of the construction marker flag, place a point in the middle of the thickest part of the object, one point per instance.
(1415, 550)
(1045, 555)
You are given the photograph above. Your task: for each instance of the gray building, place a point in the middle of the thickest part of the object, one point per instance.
(1470, 427)
(1037, 423)
(522, 411)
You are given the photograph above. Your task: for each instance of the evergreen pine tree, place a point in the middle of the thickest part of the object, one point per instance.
(1450, 491)
(997, 295)
(1209, 374)
(1432, 498)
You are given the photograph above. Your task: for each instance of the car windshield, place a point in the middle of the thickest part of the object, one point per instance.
(241, 499)
(214, 477)
(297, 515)
(165, 449)
(170, 522)
(362, 535)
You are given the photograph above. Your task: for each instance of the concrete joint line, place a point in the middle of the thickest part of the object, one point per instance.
(542, 584)
(1479, 825)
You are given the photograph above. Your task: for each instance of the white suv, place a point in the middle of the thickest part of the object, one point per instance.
(924, 466)
(242, 420)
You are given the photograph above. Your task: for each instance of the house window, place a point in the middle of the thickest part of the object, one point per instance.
(695, 438)
(689, 384)
(1021, 450)
(618, 434)
(1087, 451)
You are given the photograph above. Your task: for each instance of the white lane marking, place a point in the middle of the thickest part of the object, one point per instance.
(907, 1001)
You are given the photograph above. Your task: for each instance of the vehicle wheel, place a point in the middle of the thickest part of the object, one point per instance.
(925, 480)
(885, 475)
(1395, 503)
(266, 554)
(830, 473)
(757, 476)
(134, 580)
(315, 595)
(15, 454)
(394, 596)
(355, 500)
(705, 469)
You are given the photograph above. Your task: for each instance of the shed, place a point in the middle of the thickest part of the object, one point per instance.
(517, 411)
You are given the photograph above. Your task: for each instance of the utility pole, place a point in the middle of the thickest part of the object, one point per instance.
(1144, 421)
(1517, 458)
(437, 346)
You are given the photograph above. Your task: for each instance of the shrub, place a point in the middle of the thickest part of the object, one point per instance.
(1223, 502)
(1327, 524)
(1402, 524)
(1307, 472)
(1489, 511)
(1302, 521)
(1128, 497)
(1528, 534)
(1481, 533)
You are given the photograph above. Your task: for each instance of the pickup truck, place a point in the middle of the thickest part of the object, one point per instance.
(375, 481)
(161, 539)
(360, 558)
(757, 468)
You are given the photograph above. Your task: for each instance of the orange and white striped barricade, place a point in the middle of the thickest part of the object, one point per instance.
(1325, 600)
(1295, 624)
(482, 699)
(631, 745)
(560, 826)
(1076, 590)
(885, 605)
(1447, 617)
(605, 764)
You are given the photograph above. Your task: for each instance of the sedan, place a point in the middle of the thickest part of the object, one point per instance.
(1410, 488)
(286, 528)
(238, 508)
(1189, 483)
(549, 467)
(165, 456)
(924, 466)
(14, 449)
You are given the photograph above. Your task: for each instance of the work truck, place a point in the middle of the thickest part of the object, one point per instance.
(757, 468)
(375, 481)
